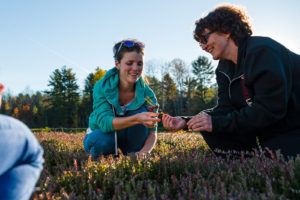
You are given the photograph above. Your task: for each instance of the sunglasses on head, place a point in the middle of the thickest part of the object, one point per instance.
(129, 43)
(203, 38)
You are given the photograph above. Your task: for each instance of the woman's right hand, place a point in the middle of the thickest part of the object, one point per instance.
(148, 119)
(1, 91)
(173, 123)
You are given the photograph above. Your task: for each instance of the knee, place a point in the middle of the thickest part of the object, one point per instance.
(104, 147)
(33, 153)
(98, 143)
(38, 158)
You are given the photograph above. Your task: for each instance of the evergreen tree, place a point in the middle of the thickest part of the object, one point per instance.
(203, 71)
(63, 98)
(38, 109)
(190, 84)
(169, 92)
(154, 84)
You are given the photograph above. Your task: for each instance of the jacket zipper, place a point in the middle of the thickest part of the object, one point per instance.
(231, 81)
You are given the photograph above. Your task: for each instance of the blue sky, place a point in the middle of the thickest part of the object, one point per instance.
(38, 37)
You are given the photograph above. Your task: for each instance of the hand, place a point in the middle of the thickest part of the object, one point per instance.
(148, 119)
(141, 154)
(1, 88)
(1, 91)
(173, 123)
(200, 122)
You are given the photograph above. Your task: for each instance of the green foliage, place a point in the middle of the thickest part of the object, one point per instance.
(86, 105)
(46, 129)
(63, 98)
(169, 92)
(65, 130)
(180, 167)
(203, 71)
(90, 81)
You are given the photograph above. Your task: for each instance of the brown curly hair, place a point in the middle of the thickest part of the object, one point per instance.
(225, 19)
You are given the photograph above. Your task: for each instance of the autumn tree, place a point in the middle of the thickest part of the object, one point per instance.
(90, 81)
(86, 105)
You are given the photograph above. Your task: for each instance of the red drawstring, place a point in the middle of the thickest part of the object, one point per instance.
(246, 94)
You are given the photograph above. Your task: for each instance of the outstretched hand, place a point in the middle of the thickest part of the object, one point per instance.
(1, 88)
(173, 123)
(148, 119)
(1, 91)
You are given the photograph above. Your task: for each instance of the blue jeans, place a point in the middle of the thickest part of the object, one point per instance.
(131, 139)
(21, 159)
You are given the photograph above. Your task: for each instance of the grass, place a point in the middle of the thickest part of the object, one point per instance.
(180, 167)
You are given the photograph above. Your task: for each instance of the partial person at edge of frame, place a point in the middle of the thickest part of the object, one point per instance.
(21, 158)
(258, 88)
(121, 117)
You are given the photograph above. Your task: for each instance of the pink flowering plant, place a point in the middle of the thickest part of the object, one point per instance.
(180, 167)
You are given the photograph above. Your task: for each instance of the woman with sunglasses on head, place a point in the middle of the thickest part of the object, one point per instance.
(122, 102)
(258, 87)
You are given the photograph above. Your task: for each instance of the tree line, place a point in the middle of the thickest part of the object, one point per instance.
(180, 88)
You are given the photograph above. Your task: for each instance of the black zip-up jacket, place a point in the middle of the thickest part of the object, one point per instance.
(261, 94)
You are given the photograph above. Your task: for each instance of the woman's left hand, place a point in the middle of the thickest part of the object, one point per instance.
(141, 154)
(1, 88)
(200, 122)
(148, 119)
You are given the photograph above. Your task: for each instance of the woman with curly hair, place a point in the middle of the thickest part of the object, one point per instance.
(258, 87)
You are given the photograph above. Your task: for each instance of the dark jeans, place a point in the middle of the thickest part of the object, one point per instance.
(131, 139)
(288, 143)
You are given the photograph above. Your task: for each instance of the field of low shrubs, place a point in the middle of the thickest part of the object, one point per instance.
(180, 167)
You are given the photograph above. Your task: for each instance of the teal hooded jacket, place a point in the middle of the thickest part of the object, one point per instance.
(106, 95)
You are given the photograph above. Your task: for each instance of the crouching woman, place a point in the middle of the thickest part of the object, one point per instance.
(122, 102)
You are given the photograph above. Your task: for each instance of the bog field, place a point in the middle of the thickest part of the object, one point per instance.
(180, 167)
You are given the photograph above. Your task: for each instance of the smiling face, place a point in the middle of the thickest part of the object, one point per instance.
(217, 44)
(130, 68)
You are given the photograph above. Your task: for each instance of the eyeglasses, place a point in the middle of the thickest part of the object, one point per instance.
(203, 38)
(129, 43)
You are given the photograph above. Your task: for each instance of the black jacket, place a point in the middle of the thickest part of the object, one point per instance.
(270, 101)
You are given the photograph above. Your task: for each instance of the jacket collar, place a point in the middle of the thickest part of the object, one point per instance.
(229, 68)
(111, 91)
(242, 52)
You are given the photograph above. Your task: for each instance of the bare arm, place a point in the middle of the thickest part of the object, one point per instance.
(145, 118)
(150, 142)
(1, 90)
